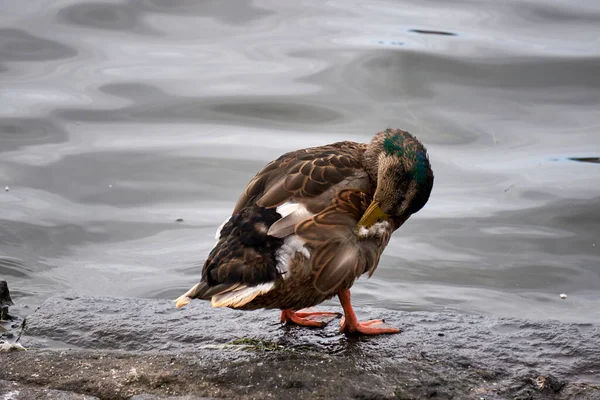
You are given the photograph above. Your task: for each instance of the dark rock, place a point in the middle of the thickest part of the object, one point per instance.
(5, 299)
(118, 348)
(146, 396)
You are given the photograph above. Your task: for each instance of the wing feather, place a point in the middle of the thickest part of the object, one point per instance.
(304, 175)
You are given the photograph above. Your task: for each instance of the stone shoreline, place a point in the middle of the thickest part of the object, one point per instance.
(121, 348)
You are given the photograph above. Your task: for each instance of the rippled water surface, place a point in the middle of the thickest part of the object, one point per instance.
(119, 117)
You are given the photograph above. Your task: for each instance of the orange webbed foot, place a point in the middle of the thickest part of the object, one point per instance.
(308, 318)
(372, 327)
(350, 324)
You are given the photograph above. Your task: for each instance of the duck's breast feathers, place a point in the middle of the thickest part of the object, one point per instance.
(305, 175)
(341, 252)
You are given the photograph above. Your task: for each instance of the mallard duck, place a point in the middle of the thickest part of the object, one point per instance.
(312, 222)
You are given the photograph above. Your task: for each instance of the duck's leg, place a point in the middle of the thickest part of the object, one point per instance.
(308, 318)
(350, 324)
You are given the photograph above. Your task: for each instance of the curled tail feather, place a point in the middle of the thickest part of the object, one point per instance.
(193, 293)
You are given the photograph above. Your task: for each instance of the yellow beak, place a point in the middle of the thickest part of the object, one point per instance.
(372, 215)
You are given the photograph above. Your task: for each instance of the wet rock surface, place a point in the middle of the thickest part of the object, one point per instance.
(19, 391)
(121, 348)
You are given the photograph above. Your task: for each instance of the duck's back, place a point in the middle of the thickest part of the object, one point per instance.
(308, 176)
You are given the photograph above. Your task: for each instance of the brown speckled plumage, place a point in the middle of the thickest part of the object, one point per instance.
(331, 187)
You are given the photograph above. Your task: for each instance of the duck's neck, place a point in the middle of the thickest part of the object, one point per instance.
(371, 157)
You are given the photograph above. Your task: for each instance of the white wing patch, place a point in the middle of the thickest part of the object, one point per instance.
(288, 208)
(291, 245)
(291, 215)
(220, 228)
(377, 229)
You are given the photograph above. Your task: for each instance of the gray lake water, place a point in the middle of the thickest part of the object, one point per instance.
(119, 117)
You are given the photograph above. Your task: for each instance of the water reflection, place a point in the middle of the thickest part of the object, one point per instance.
(21, 132)
(112, 17)
(229, 11)
(431, 32)
(19, 45)
(586, 159)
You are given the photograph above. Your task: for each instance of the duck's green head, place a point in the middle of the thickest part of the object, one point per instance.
(404, 176)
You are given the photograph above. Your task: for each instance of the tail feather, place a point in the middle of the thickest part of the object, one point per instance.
(223, 295)
(243, 263)
(216, 290)
(193, 293)
(241, 296)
